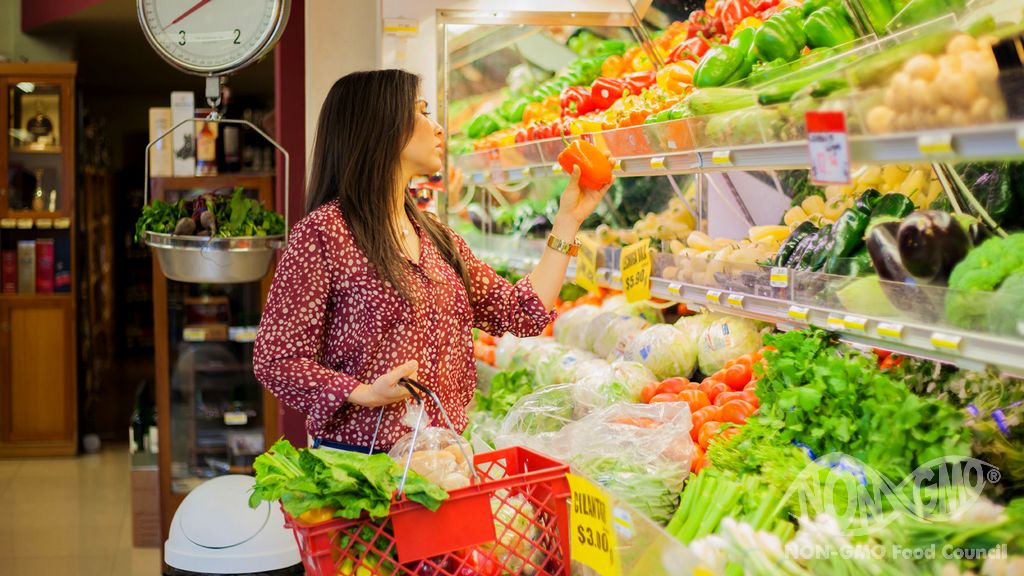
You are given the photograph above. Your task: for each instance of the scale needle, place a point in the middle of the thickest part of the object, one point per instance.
(185, 14)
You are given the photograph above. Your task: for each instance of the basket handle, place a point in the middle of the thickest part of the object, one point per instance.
(418, 392)
(216, 120)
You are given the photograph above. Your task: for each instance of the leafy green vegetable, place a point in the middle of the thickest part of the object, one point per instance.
(506, 389)
(160, 217)
(984, 269)
(235, 216)
(653, 489)
(349, 482)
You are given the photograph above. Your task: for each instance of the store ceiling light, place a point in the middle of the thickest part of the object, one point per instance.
(26, 87)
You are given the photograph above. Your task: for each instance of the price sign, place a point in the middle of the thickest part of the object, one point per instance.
(586, 265)
(829, 147)
(779, 277)
(591, 527)
(635, 266)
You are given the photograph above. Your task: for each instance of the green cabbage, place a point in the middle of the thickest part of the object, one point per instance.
(665, 351)
(725, 339)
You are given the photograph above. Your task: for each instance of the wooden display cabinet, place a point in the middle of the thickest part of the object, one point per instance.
(212, 415)
(38, 338)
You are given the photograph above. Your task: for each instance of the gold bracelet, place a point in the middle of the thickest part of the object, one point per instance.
(568, 248)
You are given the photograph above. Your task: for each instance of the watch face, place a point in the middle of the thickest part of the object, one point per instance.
(212, 37)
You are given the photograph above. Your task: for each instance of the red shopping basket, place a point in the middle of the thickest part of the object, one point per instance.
(515, 521)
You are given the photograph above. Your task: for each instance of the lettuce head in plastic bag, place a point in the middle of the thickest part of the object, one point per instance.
(565, 368)
(664, 350)
(545, 360)
(571, 327)
(725, 339)
(620, 305)
(612, 340)
(621, 383)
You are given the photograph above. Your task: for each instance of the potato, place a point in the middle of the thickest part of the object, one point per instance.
(902, 96)
(670, 271)
(944, 115)
(962, 87)
(922, 67)
(880, 119)
(961, 43)
(981, 110)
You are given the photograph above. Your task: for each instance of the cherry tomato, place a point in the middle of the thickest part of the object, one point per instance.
(706, 414)
(750, 397)
(673, 385)
(699, 462)
(724, 397)
(712, 388)
(707, 431)
(664, 398)
(735, 411)
(737, 376)
(649, 391)
(695, 398)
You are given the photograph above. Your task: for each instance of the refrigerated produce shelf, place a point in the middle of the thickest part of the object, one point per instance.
(795, 305)
(648, 150)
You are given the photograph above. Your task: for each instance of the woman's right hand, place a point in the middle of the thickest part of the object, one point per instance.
(385, 390)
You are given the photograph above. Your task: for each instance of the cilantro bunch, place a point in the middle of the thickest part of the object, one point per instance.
(349, 482)
(831, 400)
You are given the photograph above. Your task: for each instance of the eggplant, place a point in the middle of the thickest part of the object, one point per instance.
(899, 285)
(930, 244)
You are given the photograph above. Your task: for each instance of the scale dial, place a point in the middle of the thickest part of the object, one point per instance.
(212, 37)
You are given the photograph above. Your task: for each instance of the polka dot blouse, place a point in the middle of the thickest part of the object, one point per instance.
(332, 323)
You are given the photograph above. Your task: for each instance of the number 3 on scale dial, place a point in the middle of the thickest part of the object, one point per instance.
(212, 38)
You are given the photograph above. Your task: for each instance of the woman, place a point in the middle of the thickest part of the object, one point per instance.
(370, 289)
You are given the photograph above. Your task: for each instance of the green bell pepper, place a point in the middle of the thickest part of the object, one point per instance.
(867, 201)
(879, 13)
(893, 205)
(721, 63)
(484, 124)
(609, 48)
(782, 36)
(512, 110)
(828, 26)
(811, 5)
(849, 232)
(663, 116)
(746, 67)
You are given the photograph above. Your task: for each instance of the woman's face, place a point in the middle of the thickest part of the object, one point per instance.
(424, 152)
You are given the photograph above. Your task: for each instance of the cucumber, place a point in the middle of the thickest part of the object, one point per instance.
(715, 100)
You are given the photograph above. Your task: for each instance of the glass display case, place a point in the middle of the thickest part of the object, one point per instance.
(38, 182)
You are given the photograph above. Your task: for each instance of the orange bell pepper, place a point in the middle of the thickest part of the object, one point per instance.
(595, 167)
(534, 112)
(676, 78)
(612, 66)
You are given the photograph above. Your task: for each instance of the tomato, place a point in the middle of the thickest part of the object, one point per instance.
(707, 431)
(649, 391)
(712, 388)
(745, 360)
(764, 350)
(673, 385)
(699, 461)
(664, 398)
(750, 397)
(891, 361)
(706, 414)
(881, 354)
(695, 398)
(735, 411)
(737, 376)
(726, 396)
(726, 434)
(752, 385)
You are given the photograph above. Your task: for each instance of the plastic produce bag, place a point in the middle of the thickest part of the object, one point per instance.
(565, 367)
(571, 327)
(620, 383)
(436, 455)
(639, 452)
(507, 349)
(545, 359)
(664, 350)
(621, 306)
(612, 340)
(694, 326)
(725, 339)
(536, 420)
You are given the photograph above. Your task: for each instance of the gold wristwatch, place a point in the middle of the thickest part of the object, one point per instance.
(568, 248)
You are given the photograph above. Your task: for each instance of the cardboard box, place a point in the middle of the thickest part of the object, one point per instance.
(183, 107)
(161, 155)
(146, 508)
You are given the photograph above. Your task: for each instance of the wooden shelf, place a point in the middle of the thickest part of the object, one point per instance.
(37, 296)
(56, 150)
(230, 180)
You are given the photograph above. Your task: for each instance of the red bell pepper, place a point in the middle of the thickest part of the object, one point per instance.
(521, 135)
(605, 91)
(637, 81)
(732, 12)
(693, 49)
(576, 100)
(704, 24)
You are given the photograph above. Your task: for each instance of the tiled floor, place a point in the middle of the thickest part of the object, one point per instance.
(70, 517)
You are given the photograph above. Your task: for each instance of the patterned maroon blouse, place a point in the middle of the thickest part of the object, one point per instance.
(331, 323)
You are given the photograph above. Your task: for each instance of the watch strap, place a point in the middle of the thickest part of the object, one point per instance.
(558, 245)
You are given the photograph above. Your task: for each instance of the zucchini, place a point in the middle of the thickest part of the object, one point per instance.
(716, 100)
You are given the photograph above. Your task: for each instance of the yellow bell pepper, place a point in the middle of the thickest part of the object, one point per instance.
(676, 78)
(748, 22)
(316, 515)
(612, 67)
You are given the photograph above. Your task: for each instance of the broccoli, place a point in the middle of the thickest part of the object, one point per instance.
(984, 269)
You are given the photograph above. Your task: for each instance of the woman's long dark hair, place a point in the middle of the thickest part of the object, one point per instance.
(365, 122)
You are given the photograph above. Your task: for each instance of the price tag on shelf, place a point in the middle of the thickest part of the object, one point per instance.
(722, 158)
(242, 333)
(946, 341)
(940, 144)
(835, 322)
(527, 171)
(62, 223)
(1020, 137)
(828, 147)
(44, 223)
(236, 418)
(798, 313)
(890, 331)
(658, 162)
(714, 296)
(586, 264)
(617, 167)
(635, 267)
(25, 223)
(675, 288)
(193, 335)
(592, 529)
(557, 169)
(8, 223)
(735, 300)
(779, 277)
(855, 323)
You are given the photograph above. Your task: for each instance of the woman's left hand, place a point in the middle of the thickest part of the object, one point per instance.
(577, 201)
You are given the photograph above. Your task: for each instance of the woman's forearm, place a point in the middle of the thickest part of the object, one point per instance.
(549, 275)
